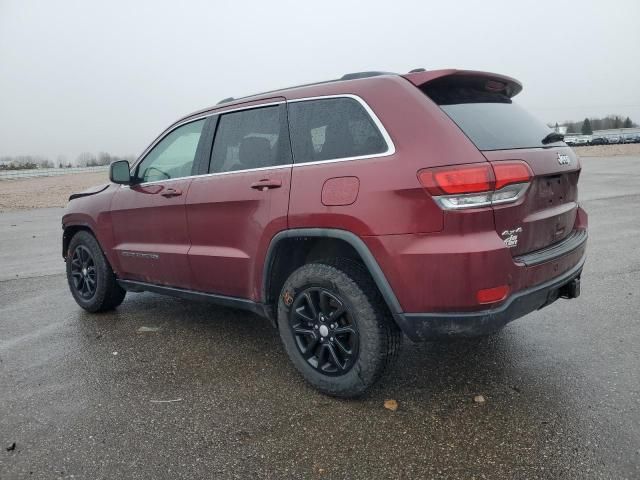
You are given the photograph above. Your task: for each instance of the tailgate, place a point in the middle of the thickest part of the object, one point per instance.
(547, 212)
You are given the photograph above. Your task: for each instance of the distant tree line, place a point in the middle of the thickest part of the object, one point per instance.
(588, 125)
(85, 159)
(24, 162)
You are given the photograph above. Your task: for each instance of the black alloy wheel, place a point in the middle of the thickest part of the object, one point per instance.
(325, 333)
(336, 328)
(83, 272)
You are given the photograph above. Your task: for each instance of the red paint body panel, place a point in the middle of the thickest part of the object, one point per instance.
(380, 183)
(93, 212)
(150, 233)
(442, 272)
(231, 225)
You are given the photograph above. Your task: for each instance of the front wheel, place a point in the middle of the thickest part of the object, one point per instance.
(336, 328)
(91, 279)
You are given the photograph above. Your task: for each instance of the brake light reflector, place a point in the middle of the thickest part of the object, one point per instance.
(492, 295)
(476, 185)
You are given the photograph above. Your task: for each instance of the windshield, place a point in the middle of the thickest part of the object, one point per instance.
(491, 120)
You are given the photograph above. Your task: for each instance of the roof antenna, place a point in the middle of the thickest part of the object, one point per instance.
(416, 70)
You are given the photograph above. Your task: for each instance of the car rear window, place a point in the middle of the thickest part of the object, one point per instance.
(490, 119)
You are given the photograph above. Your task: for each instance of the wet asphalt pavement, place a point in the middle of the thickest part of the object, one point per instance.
(211, 394)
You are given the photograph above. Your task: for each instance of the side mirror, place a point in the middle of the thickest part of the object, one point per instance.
(119, 172)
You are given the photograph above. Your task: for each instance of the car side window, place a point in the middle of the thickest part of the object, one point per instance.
(249, 139)
(173, 156)
(330, 128)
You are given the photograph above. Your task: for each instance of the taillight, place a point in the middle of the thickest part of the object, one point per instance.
(510, 172)
(476, 185)
(459, 179)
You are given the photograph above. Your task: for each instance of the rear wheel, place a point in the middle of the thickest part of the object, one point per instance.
(336, 328)
(91, 279)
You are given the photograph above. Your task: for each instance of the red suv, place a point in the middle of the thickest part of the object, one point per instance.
(348, 213)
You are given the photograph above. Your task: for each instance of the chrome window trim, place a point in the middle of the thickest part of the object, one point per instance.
(391, 148)
(169, 180)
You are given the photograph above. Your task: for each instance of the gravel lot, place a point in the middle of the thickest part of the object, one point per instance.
(45, 191)
(209, 393)
(608, 150)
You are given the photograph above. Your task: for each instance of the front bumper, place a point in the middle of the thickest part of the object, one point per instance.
(432, 326)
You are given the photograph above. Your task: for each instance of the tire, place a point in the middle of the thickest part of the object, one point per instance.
(91, 279)
(316, 342)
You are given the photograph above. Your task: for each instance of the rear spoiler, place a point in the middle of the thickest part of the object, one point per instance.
(492, 81)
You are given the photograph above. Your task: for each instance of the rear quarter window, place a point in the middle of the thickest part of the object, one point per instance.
(332, 128)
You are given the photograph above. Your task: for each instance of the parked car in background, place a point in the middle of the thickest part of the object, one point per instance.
(571, 141)
(599, 141)
(349, 213)
(613, 138)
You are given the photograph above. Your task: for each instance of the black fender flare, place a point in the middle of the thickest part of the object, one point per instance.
(74, 226)
(356, 242)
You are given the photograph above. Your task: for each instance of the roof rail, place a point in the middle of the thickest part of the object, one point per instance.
(348, 76)
(416, 70)
(356, 75)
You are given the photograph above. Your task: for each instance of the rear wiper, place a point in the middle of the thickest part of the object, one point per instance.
(553, 137)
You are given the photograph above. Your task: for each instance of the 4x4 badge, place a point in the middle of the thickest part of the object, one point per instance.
(564, 159)
(510, 237)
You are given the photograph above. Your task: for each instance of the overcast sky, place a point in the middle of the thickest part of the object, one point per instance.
(110, 75)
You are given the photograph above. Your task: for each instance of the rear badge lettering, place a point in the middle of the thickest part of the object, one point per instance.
(510, 237)
(151, 256)
(564, 159)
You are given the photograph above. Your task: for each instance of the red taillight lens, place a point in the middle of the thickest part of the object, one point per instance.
(492, 295)
(457, 179)
(476, 185)
(510, 172)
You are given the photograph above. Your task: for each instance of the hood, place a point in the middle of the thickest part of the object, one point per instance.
(90, 191)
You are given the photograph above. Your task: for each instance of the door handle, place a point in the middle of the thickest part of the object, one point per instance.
(265, 184)
(171, 192)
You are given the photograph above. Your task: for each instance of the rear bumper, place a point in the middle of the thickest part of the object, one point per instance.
(443, 272)
(431, 326)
